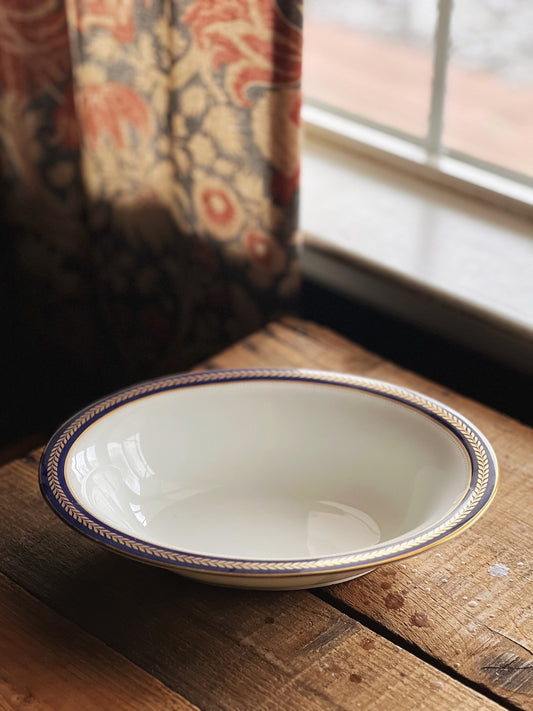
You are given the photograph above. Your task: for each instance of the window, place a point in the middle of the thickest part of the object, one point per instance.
(446, 88)
(398, 90)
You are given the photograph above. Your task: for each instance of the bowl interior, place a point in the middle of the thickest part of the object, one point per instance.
(267, 470)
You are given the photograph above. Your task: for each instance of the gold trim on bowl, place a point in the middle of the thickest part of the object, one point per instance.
(480, 456)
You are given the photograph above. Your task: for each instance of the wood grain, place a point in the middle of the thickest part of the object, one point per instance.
(446, 601)
(49, 664)
(247, 650)
(220, 649)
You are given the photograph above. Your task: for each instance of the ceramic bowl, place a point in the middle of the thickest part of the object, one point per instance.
(268, 478)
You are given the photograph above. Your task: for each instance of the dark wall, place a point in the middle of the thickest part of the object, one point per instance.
(438, 359)
(41, 389)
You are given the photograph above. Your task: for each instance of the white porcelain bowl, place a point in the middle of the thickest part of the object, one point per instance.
(268, 478)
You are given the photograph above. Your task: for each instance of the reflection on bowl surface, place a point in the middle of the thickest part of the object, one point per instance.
(270, 470)
(283, 466)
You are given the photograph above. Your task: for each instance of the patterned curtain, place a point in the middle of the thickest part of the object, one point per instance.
(149, 165)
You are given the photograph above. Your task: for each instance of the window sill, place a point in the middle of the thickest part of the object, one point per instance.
(445, 261)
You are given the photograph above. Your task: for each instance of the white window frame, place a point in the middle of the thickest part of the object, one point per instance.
(480, 191)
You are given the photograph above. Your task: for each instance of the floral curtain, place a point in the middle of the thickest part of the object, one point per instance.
(149, 172)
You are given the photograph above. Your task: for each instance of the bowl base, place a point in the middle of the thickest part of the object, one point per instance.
(282, 582)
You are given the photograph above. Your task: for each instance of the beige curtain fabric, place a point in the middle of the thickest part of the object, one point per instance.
(149, 164)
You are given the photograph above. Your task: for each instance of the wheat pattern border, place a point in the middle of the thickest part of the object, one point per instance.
(484, 474)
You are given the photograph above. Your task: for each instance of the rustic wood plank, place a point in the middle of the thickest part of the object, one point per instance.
(469, 603)
(221, 649)
(50, 664)
(293, 343)
(448, 602)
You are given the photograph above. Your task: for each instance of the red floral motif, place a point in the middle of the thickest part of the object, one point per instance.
(66, 121)
(34, 47)
(203, 13)
(252, 38)
(295, 111)
(283, 187)
(116, 16)
(111, 109)
(218, 208)
(264, 252)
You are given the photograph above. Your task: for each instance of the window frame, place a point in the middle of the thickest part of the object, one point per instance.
(424, 156)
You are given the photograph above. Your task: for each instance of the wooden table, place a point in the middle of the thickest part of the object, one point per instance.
(82, 628)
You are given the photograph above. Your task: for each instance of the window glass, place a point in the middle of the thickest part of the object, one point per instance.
(489, 100)
(371, 58)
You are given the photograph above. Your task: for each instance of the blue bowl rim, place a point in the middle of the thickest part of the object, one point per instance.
(484, 476)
